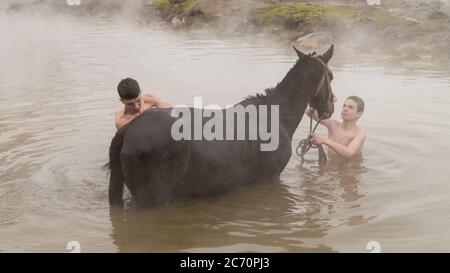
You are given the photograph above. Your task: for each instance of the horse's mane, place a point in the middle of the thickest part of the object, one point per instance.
(267, 93)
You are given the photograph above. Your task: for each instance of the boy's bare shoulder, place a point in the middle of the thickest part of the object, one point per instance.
(360, 131)
(148, 96)
(119, 113)
(331, 123)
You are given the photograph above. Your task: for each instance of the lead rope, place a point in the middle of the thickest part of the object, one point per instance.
(305, 144)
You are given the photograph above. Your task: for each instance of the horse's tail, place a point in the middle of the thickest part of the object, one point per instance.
(116, 178)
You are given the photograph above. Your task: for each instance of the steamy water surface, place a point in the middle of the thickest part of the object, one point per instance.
(58, 81)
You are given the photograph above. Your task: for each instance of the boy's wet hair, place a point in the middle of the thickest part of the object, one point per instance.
(359, 102)
(128, 89)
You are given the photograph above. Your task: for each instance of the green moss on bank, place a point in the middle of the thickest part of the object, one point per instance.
(304, 13)
(185, 6)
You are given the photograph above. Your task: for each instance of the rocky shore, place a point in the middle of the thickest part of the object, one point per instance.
(404, 30)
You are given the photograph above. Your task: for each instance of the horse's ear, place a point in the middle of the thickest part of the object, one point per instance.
(325, 57)
(299, 53)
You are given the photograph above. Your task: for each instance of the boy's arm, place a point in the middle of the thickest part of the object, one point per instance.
(155, 101)
(326, 122)
(118, 122)
(345, 151)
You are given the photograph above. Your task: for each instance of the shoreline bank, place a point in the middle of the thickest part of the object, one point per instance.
(396, 31)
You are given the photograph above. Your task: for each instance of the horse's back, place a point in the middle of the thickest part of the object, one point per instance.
(148, 132)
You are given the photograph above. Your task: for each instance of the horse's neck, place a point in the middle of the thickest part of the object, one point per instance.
(292, 96)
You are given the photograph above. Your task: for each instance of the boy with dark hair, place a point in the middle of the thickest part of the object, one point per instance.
(134, 102)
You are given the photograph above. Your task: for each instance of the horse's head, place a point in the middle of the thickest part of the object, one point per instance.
(322, 98)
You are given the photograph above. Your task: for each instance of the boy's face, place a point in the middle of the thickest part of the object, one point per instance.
(133, 104)
(350, 110)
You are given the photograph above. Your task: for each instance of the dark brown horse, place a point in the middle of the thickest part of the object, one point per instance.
(157, 168)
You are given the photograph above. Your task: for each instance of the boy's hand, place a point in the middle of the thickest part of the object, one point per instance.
(317, 140)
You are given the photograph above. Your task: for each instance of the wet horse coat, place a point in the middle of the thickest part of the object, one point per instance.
(156, 168)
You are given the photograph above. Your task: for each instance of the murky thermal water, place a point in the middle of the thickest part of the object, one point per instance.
(58, 81)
